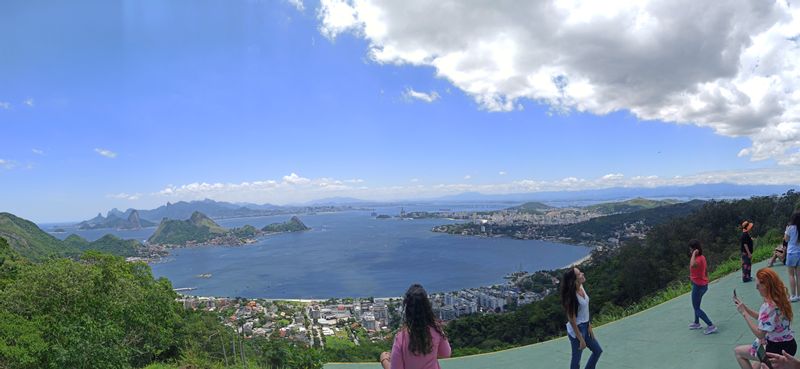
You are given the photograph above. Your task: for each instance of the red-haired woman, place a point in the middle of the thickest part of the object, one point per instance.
(772, 321)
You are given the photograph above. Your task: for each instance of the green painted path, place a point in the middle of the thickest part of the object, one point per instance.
(655, 338)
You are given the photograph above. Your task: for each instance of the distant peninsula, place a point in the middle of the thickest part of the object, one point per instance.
(199, 229)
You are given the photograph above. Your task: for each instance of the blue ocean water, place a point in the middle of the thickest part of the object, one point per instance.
(351, 254)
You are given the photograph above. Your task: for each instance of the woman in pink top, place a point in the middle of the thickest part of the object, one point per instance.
(421, 340)
(698, 274)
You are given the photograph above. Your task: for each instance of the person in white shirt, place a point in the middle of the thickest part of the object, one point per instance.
(793, 256)
(575, 301)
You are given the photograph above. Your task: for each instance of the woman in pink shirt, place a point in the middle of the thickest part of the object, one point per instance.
(698, 274)
(421, 340)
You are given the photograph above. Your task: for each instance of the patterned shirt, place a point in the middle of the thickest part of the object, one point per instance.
(774, 323)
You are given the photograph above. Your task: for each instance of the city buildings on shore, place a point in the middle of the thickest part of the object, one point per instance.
(312, 322)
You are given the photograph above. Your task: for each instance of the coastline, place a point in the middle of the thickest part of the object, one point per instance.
(578, 262)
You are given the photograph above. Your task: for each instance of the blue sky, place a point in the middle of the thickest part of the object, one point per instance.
(135, 103)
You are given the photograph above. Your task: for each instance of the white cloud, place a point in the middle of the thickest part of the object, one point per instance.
(7, 164)
(467, 177)
(37, 151)
(337, 16)
(5, 105)
(295, 179)
(414, 180)
(125, 196)
(294, 188)
(612, 176)
(429, 97)
(298, 4)
(502, 173)
(107, 153)
(29, 102)
(732, 66)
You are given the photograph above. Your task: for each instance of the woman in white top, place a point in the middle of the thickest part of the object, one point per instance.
(793, 256)
(576, 306)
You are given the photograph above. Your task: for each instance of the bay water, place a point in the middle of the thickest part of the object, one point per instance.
(349, 254)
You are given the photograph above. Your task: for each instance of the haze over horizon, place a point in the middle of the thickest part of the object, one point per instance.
(131, 104)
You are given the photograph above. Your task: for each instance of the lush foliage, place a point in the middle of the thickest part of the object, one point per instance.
(25, 237)
(99, 312)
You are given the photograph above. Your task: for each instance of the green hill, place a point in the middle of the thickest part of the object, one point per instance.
(28, 240)
(532, 207)
(109, 244)
(293, 225)
(629, 205)
(201, 220)
(198, 228)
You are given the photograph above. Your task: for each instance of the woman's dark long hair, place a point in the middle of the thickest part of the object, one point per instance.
(795, 221)
(569, 293)
(417, 319)
(695, 244)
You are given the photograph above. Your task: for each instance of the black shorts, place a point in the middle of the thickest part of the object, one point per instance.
(788, 346)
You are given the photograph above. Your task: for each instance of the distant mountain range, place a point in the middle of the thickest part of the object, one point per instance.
(138, 218)
(117, 220)
(700, 191)
(185, 209)
(134, 219)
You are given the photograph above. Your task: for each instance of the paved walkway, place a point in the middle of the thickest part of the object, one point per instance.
(655, 338)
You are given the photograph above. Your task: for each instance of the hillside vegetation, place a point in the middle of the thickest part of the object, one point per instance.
(629, 205)
(638, 269)
(29, 241)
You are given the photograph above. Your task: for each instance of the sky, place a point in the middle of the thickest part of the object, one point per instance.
(135, 103)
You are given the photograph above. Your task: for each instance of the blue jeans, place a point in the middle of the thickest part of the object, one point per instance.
(591, 344)
(697, 298)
